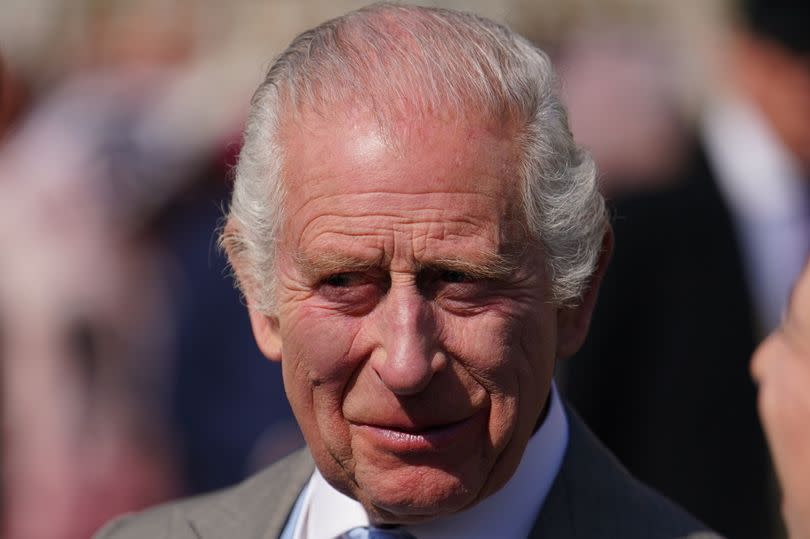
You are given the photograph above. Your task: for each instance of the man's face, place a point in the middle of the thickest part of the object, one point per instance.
(414, 327)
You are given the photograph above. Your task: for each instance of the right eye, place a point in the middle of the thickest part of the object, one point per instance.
(341, 280)
(352, 290)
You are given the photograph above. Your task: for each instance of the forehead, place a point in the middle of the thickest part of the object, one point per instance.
(348, 176)
(387, 134)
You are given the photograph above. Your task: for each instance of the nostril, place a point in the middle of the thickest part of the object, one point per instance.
(408, 374)
(439, 362)
(405, 376)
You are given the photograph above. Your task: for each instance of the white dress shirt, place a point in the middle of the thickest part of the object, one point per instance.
(322, 512)
(768, 198)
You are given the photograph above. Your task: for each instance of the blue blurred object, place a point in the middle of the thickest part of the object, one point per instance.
(225, 395)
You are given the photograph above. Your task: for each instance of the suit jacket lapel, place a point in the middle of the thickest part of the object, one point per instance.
(259, 507)
(557, 517)
(594, 496)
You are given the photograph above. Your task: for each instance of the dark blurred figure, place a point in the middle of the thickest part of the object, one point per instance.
(701, 272)
(229, 414)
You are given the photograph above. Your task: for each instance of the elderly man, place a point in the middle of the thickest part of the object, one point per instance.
(419, 239)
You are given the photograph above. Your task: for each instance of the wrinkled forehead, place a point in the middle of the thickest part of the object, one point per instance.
(409, 164)
(402, 85)
(396, 126)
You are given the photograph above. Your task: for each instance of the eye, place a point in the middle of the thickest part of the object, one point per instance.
(452, 276)
(458, 291)
(341, 280)
(355, 291)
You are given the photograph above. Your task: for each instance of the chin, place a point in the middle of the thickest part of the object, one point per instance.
(416, 493)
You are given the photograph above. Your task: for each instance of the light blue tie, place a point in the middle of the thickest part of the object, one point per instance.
(371, 532)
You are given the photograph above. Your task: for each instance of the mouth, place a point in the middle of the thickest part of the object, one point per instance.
(398, 439)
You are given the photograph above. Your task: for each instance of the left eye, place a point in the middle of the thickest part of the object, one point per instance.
(451, 276)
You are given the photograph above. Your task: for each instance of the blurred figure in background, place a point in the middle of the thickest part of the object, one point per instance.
(109, 190)
(227, 406)
(626, 105)
(701, 272)
(84, 322)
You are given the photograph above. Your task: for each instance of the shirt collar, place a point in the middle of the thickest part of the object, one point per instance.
(510, 512)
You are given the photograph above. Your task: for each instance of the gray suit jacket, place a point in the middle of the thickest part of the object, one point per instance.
(592, 497)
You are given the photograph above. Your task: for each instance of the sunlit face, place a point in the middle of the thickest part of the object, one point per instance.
(414, 327)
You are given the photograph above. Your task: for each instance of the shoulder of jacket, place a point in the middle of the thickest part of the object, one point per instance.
(175, 520)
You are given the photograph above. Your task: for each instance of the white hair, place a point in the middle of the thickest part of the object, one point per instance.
(387, 57)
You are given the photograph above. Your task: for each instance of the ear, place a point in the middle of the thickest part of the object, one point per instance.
(573, 322)
(265, 327)
(266, 332)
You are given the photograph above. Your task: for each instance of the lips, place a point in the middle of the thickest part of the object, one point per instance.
(415, 439)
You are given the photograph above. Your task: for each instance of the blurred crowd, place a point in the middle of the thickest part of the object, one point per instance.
(127, 367)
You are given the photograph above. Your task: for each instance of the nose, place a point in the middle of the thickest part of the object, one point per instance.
(409, 354)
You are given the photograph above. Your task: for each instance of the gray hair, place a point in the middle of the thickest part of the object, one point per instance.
(387, 57)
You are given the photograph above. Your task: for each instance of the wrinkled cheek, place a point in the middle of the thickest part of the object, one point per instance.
(515, 409)
(516, 387)
(317, 366)
(316, 404)
(493, 368)
(319, 345)
(502, 425)
(534, 373)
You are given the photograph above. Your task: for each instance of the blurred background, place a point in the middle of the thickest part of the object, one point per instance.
(128, 373)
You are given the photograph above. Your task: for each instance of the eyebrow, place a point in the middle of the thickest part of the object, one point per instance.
(491, 266)
(326, 263)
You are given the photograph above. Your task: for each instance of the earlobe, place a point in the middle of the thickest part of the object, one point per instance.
(267, 334)
(573, 322)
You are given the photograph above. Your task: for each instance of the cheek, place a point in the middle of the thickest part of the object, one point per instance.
(317, 343)
(502, 351)
(511, 357)
(317, 364)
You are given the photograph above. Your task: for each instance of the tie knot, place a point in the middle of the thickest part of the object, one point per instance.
(372, 532)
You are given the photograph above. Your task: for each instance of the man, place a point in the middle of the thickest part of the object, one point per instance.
(419, 239)
(781, 368)
(701, 272)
